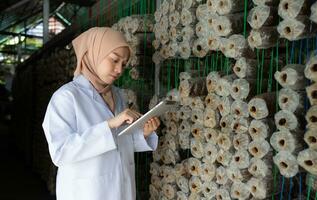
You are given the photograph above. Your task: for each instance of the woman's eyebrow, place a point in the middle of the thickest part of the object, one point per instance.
(118, 55)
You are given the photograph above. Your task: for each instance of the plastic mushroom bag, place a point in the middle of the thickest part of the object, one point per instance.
(187, 4)
(156, 181)
(168, 174)
(180, 169)
(313, 16)
(262, 106)
(187, 33)
(174, 19)
(259, 148)
(224, 85)
(185, 49)
(222, 194)
(296, 29)
(224, 141)
(308, 160)
(241, 159)
(239, 109)
(154, 193)
(188, 16)
(266, 2)
(202, 12)
(292, 8)
(258, 188)
(226, 123)
(211, 6)
(208, 171)
(171, 127)
(262, 15)
(291, 76)
(213, 42)
(198, 103)
(154, 168)
(210, 153)
(184, 112)
(312, 93)
(196, 148)
(287, 164)
(240, 125)
(224, 157)
(212, 101)
(245, 67)
(258, 168)
(182, 195)
(184, 141)
(221, 176)
(212, 81)
(201, 30)
(241, 141)
(311, 65)
(194, 167)
(211, 135)
(195, 184)
(169, 191)
(283, 141)
(197, 116)
(234, 173)
(260, 129)
(263, 38)
(197, 131)
(200, 47)
(311, 117)
(182, 183)
(225, 105)
(225, 7)
(286, 120)
(209, 189)
(228, 24)
(235, 46)
(240, 89)
(184, 128)
(239, 191)
(310, 138)
(291, 100)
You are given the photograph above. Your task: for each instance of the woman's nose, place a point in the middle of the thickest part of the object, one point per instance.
(119, 68)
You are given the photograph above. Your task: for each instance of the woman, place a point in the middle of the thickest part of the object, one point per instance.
(84, 117)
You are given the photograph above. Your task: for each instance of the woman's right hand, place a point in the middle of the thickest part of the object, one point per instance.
(127, 116)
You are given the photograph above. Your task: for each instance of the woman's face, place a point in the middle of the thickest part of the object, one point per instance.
(111, 68)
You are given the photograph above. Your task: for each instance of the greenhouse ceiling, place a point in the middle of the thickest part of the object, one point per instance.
(21, 23)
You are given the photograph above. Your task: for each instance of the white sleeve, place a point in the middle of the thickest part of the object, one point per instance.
(65, 144)
(141, 144)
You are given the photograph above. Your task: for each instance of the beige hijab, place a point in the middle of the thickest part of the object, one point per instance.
(91, 47)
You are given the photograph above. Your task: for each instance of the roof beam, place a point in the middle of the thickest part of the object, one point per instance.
(19, 34)
(14, 6)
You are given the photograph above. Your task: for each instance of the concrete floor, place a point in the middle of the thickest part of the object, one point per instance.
(17, 181)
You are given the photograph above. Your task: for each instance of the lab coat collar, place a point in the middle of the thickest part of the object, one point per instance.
(83, 83)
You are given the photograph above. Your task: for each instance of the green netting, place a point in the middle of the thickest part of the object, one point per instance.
(215, 61)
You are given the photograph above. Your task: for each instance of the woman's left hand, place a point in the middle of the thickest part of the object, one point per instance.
(151, 126)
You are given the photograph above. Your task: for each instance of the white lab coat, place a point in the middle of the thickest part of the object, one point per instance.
(93, 162)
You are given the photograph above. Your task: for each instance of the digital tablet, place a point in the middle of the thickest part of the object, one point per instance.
(156, 111)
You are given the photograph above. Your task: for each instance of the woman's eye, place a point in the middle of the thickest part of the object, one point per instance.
(115, 60)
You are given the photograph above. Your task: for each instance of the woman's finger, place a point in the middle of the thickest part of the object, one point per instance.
(157, 121)
(132, 114)
(152, 125)
(135, 112)
(129, 119)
